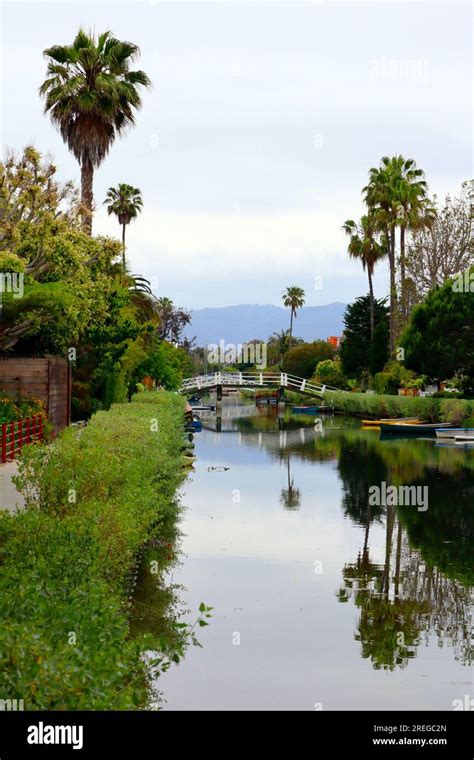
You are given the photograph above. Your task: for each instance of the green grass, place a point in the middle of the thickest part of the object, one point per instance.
(94, 498)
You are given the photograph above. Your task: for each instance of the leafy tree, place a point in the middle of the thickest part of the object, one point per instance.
(439, 340)
(302, 360)
(172, 320)
(31, 194)
(165, 364)
(293, 298)
(74, 292)
(355, 350)
(365, 246)
(378, 350)
(445, 248)
(91, 95)
(126, 203)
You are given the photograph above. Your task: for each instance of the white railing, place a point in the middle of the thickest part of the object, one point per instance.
(254, 380)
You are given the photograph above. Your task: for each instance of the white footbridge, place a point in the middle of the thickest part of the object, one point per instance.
(254, 380)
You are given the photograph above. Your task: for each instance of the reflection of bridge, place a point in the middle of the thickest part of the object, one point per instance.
(250, 380)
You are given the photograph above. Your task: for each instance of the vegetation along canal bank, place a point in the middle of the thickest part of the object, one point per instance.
(94, 499)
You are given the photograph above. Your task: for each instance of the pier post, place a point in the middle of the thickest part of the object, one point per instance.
(218, 399)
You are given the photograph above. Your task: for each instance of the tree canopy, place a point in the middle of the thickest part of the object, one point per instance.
(357, 352)
(439, 340)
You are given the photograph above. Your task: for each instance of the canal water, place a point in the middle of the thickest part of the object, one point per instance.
(323, 598)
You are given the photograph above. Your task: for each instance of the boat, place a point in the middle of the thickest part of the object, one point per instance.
(464, 437)
(392, 421)
(305, 409)
(461, 433)
(195, 426)
(203, 407)
(412, 429)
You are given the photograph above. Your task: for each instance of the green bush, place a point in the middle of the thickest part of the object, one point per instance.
(93, 499)
(376, 406)
(455, 410)
(393, 377)
(302, 360)
(19, 407)
(329, 372)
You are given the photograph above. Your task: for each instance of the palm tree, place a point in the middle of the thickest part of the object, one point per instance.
(279, 341)
(387, 185)
(363, 245)
(414, 212)
(294, 298)
(91, 95)
(126, 203)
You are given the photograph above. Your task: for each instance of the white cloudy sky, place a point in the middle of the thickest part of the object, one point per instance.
(254, 144)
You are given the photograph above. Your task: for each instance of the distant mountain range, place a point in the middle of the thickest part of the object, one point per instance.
(238, 324)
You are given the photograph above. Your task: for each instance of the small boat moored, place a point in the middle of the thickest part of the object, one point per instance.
(410, 429)
(392, 421)
(305, 409)
(466, 434)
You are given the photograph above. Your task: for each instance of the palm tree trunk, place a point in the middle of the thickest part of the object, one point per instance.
(403, 305)
(372, 304)
(291, 330)
(393, 292)
(398, 559)
(87, 177)
(123, 246)
(389, 520)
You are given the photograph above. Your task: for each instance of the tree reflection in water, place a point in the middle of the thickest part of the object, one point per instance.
(423, 586)
(290, 496)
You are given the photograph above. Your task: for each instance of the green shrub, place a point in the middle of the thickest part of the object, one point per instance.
(329, 372)
(93, 499)
(454, 410)
(425, 407)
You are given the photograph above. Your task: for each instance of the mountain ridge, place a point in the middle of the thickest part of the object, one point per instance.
(240, 323)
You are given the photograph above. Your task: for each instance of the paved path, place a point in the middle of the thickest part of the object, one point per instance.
(9, 496)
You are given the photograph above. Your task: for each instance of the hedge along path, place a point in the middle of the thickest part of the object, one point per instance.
(92, 501)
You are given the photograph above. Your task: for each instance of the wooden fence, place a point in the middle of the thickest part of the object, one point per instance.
(20, 433)
(46, 378)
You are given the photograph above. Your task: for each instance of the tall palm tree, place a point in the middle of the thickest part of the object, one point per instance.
(365, 246)
(293, 298)
(126, 203)
(387, 185)
(414, 212)
(91, 95)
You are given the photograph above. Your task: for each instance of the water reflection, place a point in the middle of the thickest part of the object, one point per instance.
(290, 496)
(396, 588)
(424, 586)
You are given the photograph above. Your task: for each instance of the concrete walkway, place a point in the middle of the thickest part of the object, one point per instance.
(10, 499)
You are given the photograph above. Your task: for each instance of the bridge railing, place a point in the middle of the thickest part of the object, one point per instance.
(253, 380)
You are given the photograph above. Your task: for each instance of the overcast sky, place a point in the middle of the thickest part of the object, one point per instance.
(253, 146)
